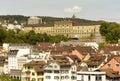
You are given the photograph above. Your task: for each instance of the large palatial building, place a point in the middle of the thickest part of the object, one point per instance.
(69, 28)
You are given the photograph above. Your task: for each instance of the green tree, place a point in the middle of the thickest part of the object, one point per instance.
(7, 78)
(32, 37)
(2, 35)
(10, 36)
(111, 31)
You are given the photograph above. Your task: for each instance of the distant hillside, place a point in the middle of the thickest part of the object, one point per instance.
(12, 18)
(23, 19)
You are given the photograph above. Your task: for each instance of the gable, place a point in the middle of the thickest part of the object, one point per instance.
(52, 66)
(110, 64)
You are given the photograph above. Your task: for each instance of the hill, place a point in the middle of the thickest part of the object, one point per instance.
(47, 19)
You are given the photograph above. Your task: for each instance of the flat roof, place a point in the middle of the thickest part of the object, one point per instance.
(91, 72)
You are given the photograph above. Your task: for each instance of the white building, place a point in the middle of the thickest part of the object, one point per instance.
(94, 45)
(43, 56)
(60, 71)
(12, 26)
(15, 46)
(91, 76)
(16, 58)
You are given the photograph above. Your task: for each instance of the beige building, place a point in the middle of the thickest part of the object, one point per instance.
(69, 28)
(34, 20)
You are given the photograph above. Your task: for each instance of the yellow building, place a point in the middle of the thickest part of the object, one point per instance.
(69, 28)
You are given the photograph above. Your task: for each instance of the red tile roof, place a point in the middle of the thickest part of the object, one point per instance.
(111, 73)
(95, 60)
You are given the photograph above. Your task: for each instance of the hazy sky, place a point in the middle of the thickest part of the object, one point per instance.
(87, 9)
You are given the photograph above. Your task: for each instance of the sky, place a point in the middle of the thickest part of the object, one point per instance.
(108, 10)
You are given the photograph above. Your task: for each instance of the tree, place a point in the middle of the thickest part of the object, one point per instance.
(32, 37)
(7, 78)
(111, 31)
(2, 35)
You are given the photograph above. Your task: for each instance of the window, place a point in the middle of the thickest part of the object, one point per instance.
(73, 72)
(98, 77)
(56, 71)
(66, 71)
(55, 66)
(109, 65)
(56, 77)
(66, 77)
(48, 71)
(33, 73)
(88, 77)
(50, 66)
(117, 65)
(33, 79)
(29, 67)
(62, 77)
(48, 77)
(73, 77)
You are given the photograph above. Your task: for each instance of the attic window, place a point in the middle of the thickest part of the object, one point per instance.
(109, 65)
(117, 65)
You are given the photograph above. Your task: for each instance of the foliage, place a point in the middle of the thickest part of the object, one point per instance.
(31, 37)
(111, 31)
(7, 78)
(58, 38)
(12, 18)
(102, 44)
(23, 19)
(2, 35)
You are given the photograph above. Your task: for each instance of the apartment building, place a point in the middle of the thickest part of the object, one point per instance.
(60, 71)
(91, 76)
(16, 58)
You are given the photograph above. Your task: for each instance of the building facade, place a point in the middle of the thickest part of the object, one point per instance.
(34, 20)
(67, 28)
(16, 58)
(91, 76)
(113, 64)
(33, 71)
(59, 71)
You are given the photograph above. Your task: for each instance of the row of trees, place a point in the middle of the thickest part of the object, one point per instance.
(31, 37)
(111, 31)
